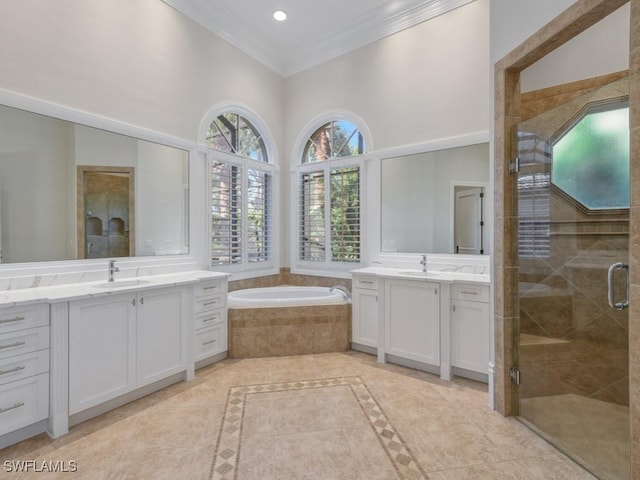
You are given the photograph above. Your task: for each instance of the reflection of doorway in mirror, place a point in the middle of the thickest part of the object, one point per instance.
(468, 234)
(105, 211)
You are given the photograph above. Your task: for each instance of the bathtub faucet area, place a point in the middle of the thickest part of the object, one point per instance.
(345, 291)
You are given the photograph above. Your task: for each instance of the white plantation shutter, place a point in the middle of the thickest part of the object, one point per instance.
(259, 199)
(312, 231)
(226, 214)
(345, 214)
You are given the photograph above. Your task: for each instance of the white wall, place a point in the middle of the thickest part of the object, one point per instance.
(575, 60)
(425, 83)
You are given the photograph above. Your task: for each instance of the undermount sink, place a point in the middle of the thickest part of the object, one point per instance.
(121, 283)
(415, 273)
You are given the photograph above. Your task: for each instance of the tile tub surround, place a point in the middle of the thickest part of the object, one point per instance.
(268, 332)
(173, 433)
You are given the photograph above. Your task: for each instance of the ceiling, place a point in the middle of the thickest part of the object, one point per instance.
(315, 30)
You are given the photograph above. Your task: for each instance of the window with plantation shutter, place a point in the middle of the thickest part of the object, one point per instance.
(241, 194)
(329, 196)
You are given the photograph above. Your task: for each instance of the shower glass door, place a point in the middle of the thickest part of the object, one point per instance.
(573, 223)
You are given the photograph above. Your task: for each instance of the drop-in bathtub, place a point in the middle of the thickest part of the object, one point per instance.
(287, 320)
(284, 296)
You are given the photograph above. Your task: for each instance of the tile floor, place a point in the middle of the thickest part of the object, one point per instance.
(318, 417)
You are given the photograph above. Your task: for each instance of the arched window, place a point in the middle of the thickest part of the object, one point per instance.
(328, 177)
(241, 179)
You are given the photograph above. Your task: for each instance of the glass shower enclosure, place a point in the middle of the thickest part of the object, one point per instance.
(573, 247)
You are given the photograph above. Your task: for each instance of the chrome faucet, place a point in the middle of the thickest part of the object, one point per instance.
(112, 269)
(345, 291)
(423, 262)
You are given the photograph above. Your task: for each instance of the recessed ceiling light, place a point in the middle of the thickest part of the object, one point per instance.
(280, 15)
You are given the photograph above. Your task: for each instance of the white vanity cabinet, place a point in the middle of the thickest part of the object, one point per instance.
(24, 369)
(470, 329)
(210, 320)
(121, 342)
(364, 328)
(412, 320)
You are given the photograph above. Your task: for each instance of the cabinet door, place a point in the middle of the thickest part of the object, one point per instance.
(101, 350)
(364, 329)
(160, 335)
(412, 319)
(470, 336)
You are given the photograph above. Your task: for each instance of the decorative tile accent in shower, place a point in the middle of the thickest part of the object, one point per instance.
(230, 448)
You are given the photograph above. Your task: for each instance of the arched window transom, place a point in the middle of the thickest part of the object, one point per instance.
(335, 139)
(232, 133)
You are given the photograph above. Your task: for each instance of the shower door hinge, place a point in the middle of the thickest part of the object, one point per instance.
(514, 375)
(514, 165)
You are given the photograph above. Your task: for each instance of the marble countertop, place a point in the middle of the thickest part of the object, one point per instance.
(439, 276)
(77, 291)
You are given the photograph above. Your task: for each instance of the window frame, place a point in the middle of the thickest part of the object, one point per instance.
(327, 267)
(244, 268)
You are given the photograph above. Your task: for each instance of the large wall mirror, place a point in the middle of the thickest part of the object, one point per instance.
(68, 191)
(435, 202)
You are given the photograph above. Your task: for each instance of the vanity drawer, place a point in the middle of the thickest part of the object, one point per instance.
(20, 318)
(473, 293)
(211, 341)
(205, 304)
(24, 402)
(208, 319)
(366, 282)
(212, 287)
(23, 341)
(23, 366)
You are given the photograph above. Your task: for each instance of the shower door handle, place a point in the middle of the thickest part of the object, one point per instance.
(612, 271)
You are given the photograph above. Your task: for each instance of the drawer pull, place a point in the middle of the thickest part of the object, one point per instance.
(210, 319)
(13, 407)
(469, 293)
(210, 303)
(10, 320)
(212, 287)
(17, 344)
(366, 282)
(13, 370)
(209, 342)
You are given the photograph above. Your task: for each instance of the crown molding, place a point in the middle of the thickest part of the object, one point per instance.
(371, 26)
